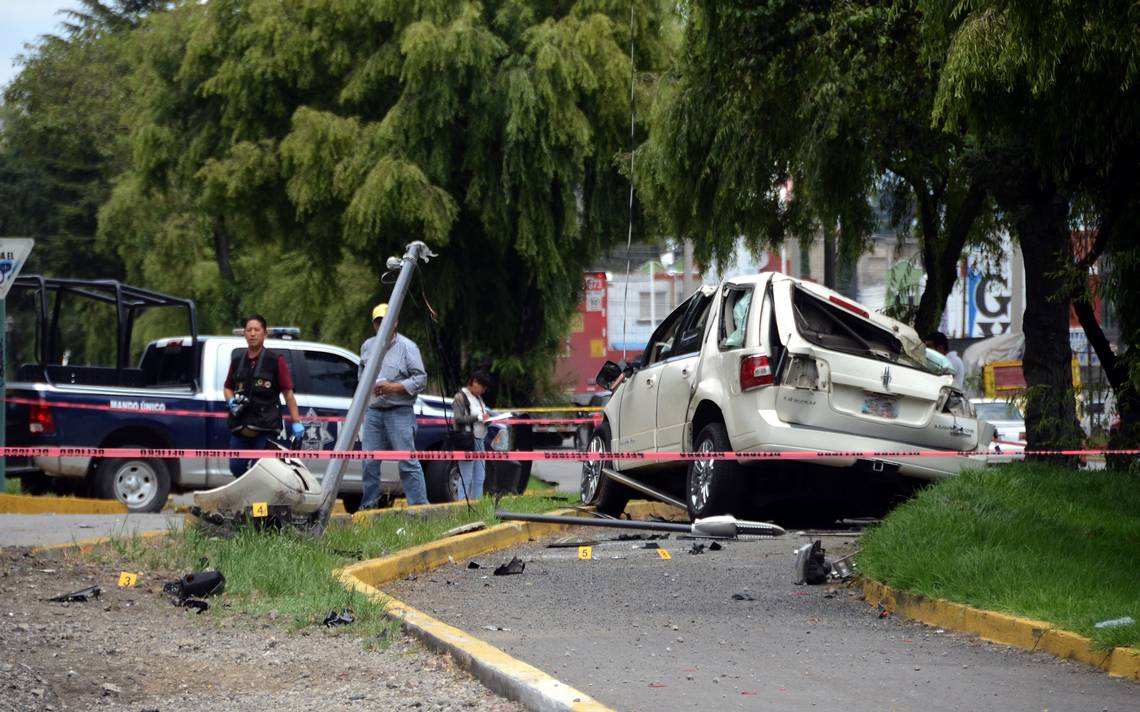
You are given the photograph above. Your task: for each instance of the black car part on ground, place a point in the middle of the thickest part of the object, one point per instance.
(81, 596)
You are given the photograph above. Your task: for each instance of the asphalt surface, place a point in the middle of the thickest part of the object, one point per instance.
(638, 632)
(49, 529)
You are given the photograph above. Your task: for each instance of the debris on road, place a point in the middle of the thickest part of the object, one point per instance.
(1115, 622)
(465, 528)
(474, 565)
(198, 584)
(743, 596)
(514, 566)
(572, 542)
(335, 619)
(81, 596)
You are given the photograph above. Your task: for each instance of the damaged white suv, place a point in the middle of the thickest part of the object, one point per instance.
(768, 363)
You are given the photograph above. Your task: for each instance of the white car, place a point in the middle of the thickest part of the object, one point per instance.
(768, 363)
(1009, 428)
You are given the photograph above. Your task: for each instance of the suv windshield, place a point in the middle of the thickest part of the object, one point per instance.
(831, 327)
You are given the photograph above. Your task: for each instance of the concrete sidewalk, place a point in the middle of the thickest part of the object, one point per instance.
(55, 529)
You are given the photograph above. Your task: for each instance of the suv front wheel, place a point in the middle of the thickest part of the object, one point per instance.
(712, 486)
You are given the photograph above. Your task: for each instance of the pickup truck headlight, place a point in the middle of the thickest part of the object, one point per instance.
(502, 440)
(952, 402)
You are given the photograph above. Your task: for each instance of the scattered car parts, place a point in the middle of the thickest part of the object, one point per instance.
(81, 596)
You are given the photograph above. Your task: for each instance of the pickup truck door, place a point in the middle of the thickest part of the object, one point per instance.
(679, 370)
(637, 413)
(218, 469)
(326, 383)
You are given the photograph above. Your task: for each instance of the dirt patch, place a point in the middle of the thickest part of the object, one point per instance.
(131, 649)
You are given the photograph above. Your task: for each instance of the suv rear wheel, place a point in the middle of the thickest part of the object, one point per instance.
(713, 485)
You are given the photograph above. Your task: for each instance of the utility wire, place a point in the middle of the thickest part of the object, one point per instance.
(629, 234)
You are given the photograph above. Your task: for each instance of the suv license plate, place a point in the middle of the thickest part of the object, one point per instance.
(880, 405)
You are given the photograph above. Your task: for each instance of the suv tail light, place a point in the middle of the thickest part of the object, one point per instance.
(40, 419)
(755, 372)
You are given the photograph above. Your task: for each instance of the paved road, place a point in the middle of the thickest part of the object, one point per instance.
(47, 529)
(641, 633)
(564, 475)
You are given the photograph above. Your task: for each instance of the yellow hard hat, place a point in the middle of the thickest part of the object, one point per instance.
(380, 311)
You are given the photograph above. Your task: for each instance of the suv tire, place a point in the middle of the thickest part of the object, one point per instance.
(712, 486)
(595, 488)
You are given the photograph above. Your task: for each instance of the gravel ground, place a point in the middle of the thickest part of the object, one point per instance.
(132, 650)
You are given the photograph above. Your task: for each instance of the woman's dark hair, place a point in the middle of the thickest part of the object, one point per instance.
(258, 318)
(481, 377)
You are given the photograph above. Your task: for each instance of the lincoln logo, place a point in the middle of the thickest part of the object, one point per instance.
(887, 377)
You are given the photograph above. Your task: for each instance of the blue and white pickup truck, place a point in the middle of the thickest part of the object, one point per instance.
(173, 399)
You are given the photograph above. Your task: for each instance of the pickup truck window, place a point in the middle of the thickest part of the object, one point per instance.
(329, 375)
(734, 316)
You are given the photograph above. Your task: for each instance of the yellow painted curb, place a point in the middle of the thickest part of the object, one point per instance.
(501, 673)
(1006, 629)
(434, 554)
(83, 546)
(27, 504)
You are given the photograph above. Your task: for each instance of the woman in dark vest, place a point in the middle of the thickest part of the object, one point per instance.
(254, 385)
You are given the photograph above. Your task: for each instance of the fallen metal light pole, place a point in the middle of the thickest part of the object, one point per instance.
(346, 438)
(724, 525)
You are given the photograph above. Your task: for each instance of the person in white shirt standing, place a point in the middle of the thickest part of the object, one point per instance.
(470, 415)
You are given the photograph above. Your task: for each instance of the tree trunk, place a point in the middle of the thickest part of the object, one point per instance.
(1040, 216)
(231, 296)
(940, 256)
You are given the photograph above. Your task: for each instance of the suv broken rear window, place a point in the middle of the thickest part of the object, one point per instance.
(831, 327)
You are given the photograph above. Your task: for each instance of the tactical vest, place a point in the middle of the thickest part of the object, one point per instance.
(263, 388)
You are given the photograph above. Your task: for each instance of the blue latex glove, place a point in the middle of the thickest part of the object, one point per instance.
(232, 404)
(298, 430)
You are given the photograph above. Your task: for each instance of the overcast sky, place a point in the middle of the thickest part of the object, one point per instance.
(23, 21)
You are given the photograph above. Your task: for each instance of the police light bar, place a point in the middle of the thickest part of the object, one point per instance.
(286, 333)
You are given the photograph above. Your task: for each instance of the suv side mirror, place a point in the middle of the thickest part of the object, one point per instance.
(608, 373)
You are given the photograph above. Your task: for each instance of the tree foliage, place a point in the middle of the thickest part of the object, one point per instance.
(832, 99)
(63, 139)
(1048, 91)
(283, 148)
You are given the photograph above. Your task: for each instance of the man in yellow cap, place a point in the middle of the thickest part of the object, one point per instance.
(390, 421)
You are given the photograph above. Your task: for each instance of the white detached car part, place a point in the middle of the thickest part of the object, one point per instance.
(768, 363)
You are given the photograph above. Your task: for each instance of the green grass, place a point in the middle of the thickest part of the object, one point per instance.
(287, 573)
(11, 485)
(1030, 540)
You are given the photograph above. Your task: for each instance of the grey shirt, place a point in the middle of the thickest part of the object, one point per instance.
(402, 364)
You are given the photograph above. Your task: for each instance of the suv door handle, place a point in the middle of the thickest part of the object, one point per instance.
(649, 380)
(685, 372)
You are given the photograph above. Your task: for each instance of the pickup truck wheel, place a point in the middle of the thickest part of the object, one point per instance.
(141, 484)
(443, 481)
(712, 484)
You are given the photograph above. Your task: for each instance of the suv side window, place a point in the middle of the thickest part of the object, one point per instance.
(693, 330)
(734, 316)
(661, 344)
(329, 375)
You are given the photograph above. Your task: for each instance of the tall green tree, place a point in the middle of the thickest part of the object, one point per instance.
(283, 150)
(830, 98)
(1048, 92)
(62, 138)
